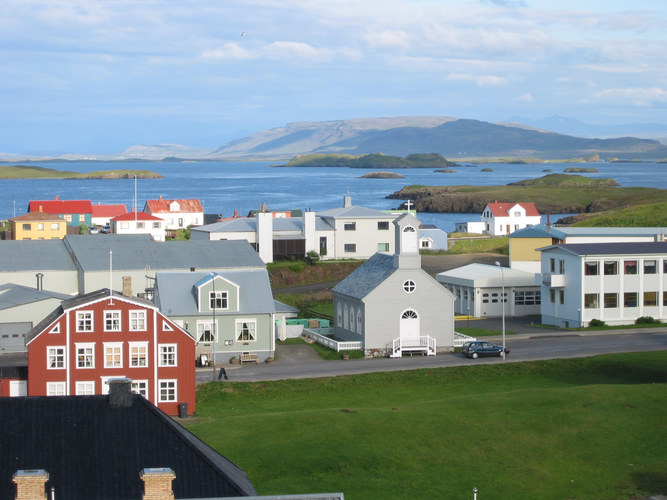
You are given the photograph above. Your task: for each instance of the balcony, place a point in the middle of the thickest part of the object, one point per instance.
(553, 280)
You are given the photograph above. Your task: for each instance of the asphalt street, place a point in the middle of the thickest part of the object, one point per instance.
(299, 361)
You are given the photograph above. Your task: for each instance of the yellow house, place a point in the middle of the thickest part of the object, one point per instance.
(38, 226)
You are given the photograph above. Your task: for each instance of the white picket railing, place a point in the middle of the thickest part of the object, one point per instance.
(460, 339)
(317, 335)
(424, 343)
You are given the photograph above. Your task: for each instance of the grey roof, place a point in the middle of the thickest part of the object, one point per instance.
(24, 255)
(174, 291)
(562, 232)
(249, 225)
(486, 275)
(355, 212)
(284, 308)
(12, 295)
(367, 277)
(141, 251)
(625, 248)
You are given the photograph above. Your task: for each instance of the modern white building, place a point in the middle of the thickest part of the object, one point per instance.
(139, 223)
(612, 282)
(478, 289)
(525, 242)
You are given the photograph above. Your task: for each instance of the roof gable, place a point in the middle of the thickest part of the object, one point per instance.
(500, 209)
(171, 206)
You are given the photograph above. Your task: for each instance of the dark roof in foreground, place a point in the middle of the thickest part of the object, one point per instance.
(92, 450)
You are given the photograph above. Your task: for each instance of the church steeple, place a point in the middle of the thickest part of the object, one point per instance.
(406, 230)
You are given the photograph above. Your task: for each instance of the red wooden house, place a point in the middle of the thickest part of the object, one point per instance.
(99, 336)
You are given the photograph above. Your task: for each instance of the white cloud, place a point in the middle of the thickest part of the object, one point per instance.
(480, 80)
(230, 50)
(636, 96)
(526, 98)
(388, 38)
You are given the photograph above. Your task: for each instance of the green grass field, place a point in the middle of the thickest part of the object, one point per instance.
(590, 428)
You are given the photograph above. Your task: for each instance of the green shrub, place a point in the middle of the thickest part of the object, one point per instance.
(646, 320)
(297, 267)
(84, 229)
(596, 322)
(312, 257)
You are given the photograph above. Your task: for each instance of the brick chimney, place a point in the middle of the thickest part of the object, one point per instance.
(127, 286)
(30, 484)
(120, 393)
(157, 483)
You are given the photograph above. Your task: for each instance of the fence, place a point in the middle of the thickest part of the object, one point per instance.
(320, 336)
(460, 339)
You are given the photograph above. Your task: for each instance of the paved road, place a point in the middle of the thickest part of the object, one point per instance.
(297, 361)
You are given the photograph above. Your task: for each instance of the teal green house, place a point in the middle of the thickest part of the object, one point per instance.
(231, 314)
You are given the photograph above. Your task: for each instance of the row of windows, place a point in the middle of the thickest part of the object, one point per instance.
(610, 267)
(112, 355)
(347, 318)
(112, 321)
(167, 389)
(352, 226)
(630, 299)
(68, 217)
(246, 331)
(40, 227)
(140, 225)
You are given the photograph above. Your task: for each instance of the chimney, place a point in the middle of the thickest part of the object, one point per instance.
(39, 277)
(549, 220)
(347, 201)
(127, 286)
(160, 197)
(30, 484)
(120, 393)
(157, 483)
(41, 208)
(57, 198)
(236, 213)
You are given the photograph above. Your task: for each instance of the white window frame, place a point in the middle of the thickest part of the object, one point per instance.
(219, 295)
(140, 387)
(169, 386)
(137, 352)
(83, 318)
(113, 346)
(90, 356)
(409, 286)
(56, 389)
(138, 320)
(238, 333)
(55, 355)
(167, 354)
(111, 316)
(202, 326)
(85, 388)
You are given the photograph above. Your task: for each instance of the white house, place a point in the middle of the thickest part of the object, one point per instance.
(139, 223)
(502, 219)
(613, 282)
(474, 227)
(393, 306)
(347, 232)
(432, 238)
(177, 214)
(101, 215)
(479, 290)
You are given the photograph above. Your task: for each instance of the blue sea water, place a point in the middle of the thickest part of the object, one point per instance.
(224, 187)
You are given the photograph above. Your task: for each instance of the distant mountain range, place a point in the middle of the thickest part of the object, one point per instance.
(454, 138)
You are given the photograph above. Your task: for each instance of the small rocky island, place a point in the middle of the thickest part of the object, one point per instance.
(382, 175)
(374, 160)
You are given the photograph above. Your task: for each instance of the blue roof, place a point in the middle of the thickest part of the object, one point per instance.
(367, 277)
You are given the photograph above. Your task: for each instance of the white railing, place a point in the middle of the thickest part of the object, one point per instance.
(460, 339)
(319, 335)
(421, 343)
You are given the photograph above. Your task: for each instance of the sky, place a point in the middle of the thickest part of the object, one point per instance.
(98, 76)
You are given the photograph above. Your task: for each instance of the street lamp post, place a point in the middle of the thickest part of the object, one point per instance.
(502, 297)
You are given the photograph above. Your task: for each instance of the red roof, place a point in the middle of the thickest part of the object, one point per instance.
(502, 209)
(139, 216)
(57, 206)
(108, 210)
(162, 205)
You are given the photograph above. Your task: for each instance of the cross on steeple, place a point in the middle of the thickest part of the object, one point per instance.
(408, 204)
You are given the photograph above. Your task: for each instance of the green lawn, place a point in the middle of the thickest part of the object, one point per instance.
(585, 428)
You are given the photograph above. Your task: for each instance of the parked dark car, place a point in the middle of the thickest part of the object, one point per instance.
(478, 348)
